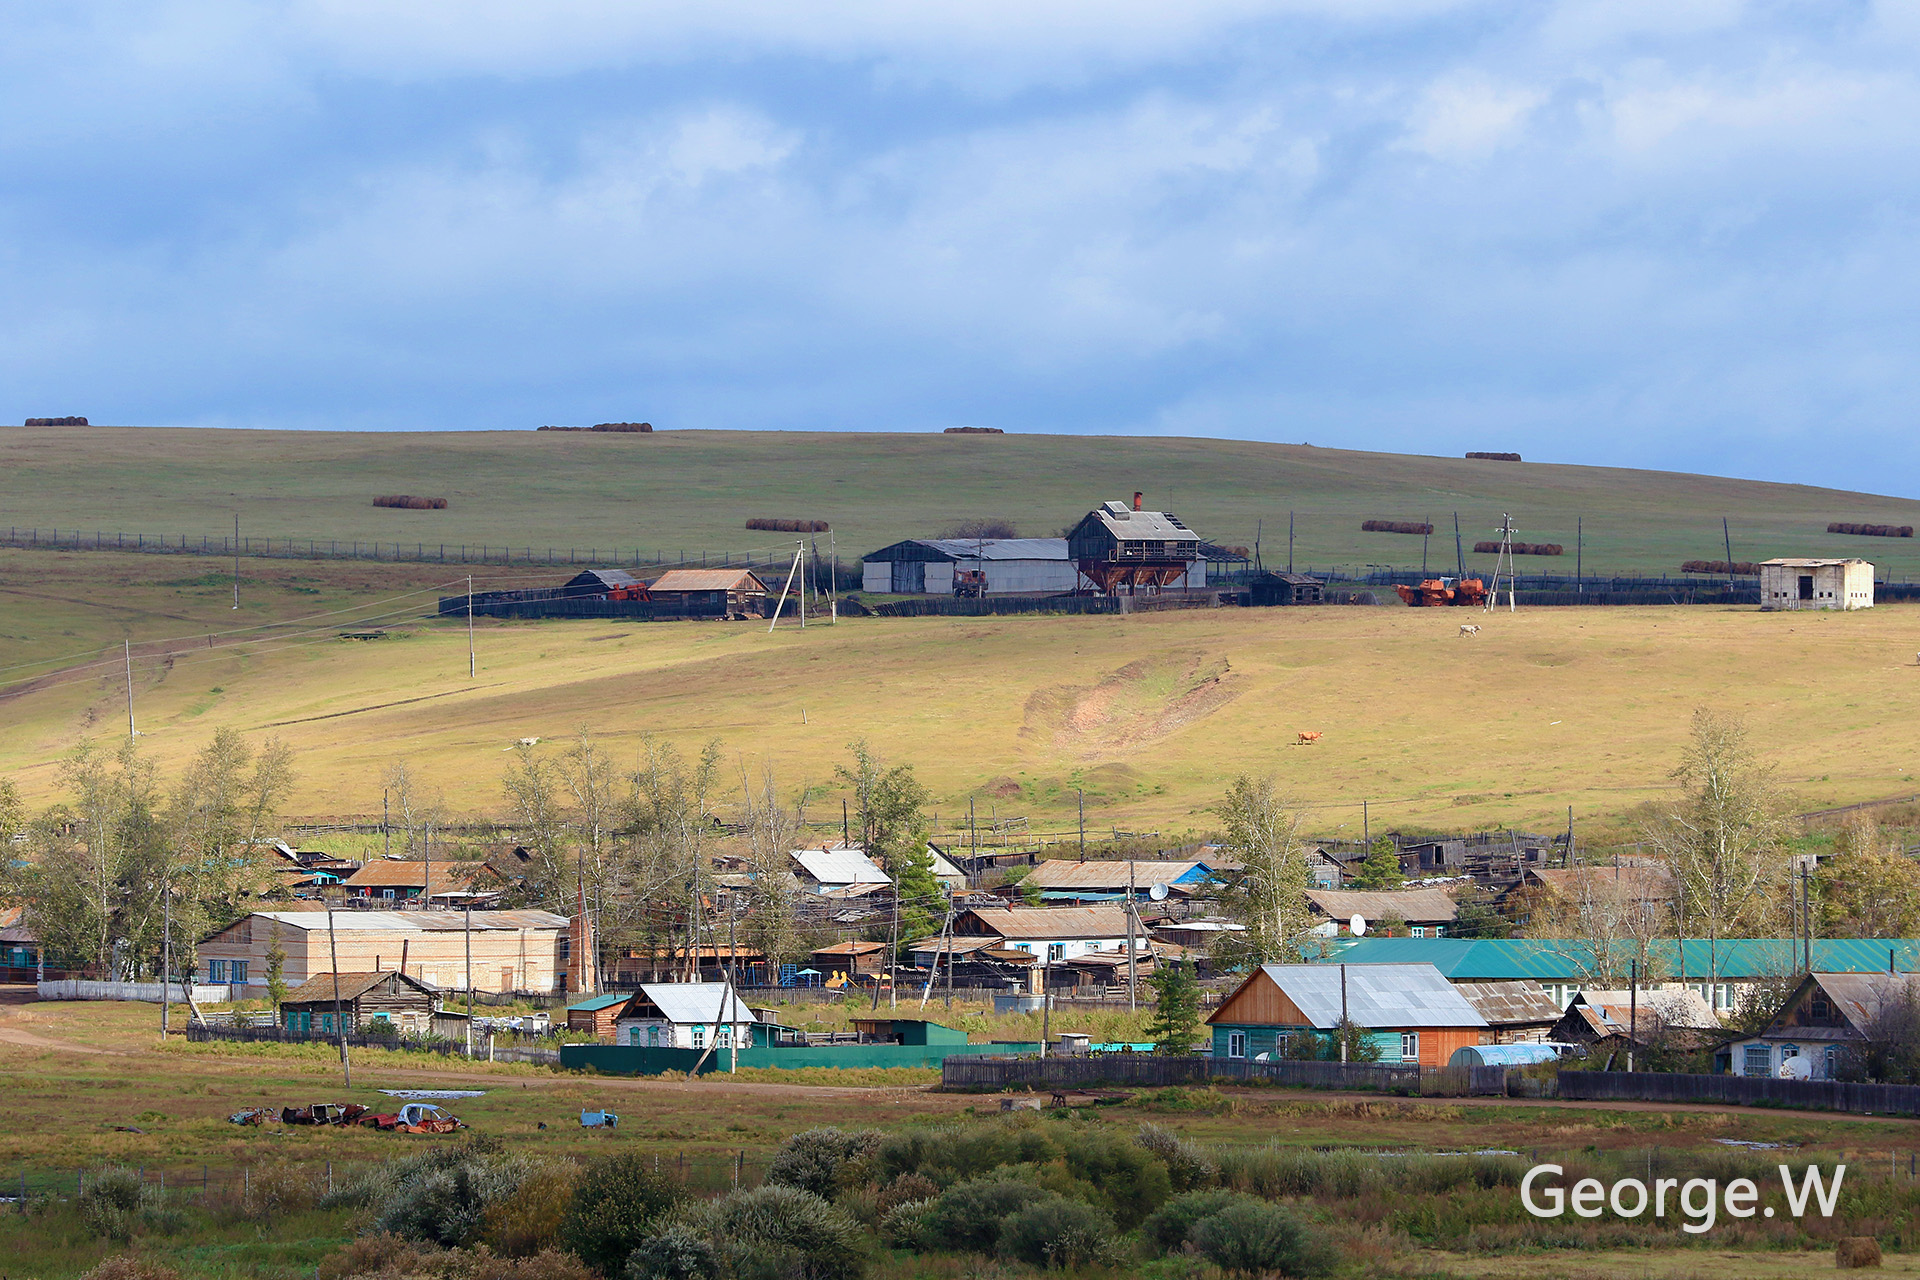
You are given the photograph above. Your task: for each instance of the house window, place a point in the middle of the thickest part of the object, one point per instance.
(653, 1037)
(1236, 1044)
(1833, 1060)
(633, 1037)
(1056, 951)
(240, 973)
(1758, 1061)
(1417, 931)
(699, 1037)
(723, 1038)
(1410, 1046)
(216, 971)
(386, 893)
(1820, 1009)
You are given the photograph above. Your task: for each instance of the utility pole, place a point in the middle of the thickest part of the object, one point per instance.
(426, 849)
(792, 572)
(733, 978)
(1289, 542)
(1580, 555)
(833, 581)
(469, 930)
(166, 957)
(1082, 793)
(1343, 1015)
(127, 646)
(471, 667)
(1633, 1009)
(236, 559)
(798, 555)
(1133, 911)
(339, 1022)
(386, 831)
(1459, 549)
(1727, 534)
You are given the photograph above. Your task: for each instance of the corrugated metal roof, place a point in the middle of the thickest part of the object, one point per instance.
(1859, 996)
(841, 866)
(1651, 884)
(1050, 924)
(999, 548)
(1127, 524)
(707, 580)
(394, 873)
(1107, 876)
(1377, 995)
(1570, 960)
(1510, 1003)
(1674, 1008)
(1373, 904)
(352, 986)
(697, 1002)
(414, 921)
(1814, 563)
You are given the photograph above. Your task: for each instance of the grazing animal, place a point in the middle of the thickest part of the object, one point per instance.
(1469, 628)
(1307, 737)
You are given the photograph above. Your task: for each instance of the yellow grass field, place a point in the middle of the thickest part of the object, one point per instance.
(1151, 714)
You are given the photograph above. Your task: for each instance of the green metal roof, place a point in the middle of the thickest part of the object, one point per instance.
(602, 1002)
(1569, 960)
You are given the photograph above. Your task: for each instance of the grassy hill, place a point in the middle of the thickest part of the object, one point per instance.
(693, 491)
(1151, 714)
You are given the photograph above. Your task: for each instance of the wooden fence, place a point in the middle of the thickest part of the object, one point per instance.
(1744, 1091)
(198, 1034)
(1142, 1070)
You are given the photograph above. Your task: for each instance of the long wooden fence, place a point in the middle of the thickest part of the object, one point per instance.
(1745, 1091)
(1140, 1070)
(199, 1034)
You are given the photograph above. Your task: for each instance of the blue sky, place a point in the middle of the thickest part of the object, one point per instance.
(1660, 234)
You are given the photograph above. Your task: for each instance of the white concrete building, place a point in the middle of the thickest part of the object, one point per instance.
(1816, 584)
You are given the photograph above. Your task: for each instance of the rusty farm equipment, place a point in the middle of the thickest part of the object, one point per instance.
(1435, 592)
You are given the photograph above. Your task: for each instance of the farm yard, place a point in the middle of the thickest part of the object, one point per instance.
(1543, 709)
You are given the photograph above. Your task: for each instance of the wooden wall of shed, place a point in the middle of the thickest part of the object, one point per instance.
(1437, 1044)
(1261, 1003)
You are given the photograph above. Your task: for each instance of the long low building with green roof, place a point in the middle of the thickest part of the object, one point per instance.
(1719, 971)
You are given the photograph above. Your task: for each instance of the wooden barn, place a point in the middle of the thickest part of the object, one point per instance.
(1268, 589)
(604, 584)
(1123, 550)
(853, 958)
(598, 1015)
(736, 592)
(364, 999)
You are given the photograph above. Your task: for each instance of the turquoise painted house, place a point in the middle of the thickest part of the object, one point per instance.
(1412, 1014)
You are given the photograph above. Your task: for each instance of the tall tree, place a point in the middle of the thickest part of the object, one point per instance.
(222, 812)
(1176, 1009)
(537, 807)
(1604, 921)
(667, 879)
(1381, 870)
(1269, 894)
(773, 832)
(1868, 889)
(895, 829)
(1722, 837)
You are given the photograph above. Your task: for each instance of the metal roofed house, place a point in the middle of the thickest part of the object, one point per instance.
(1815, 584)
(1428, 912)
(832, 867)
(684, 1015)
(1055, 934)
(1410, 1011)
(1565, 967)
(511, 950)
(1120, 549)
(1517, 1012)
(736, 592)
(363, 999)
(1106, 880)
(398, 880)
(1828, 1017)
(1008, 566)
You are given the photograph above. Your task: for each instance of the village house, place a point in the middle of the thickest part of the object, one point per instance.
(684, 1015)
(598, 1015)
(1121, 550)
(1616, 1021)
(511, 950)
(1427, 913)
(1071, 880)
(1053, 935)
(1826, 1018)
(405, 880)
(1409, 1011)
(735, 592)
(1815, 584)
(837, 868)
(1516, 1012)
(365, 1001)
(850, 959)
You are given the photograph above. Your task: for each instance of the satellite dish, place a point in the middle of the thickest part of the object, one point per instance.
(1358, 925)
(1797, 1069)
(1158, 893)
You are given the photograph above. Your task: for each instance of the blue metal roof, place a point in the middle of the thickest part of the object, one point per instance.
(1503, 1055)
(1571, 960)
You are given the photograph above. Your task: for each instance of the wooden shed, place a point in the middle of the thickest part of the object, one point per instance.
(854, 958)
(598, 1015)
(363, 999)
(736, 592)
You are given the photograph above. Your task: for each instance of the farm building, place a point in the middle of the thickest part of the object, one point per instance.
(1428, 913)
(737, 592)
(604, 584)
(1816, 584)
(850, 959)
(364, 999)
(512, 950)
(1103, 880)
(1055, 933)
(837, 867)
(683, 1015)
(1269, 589)
(1007, 566)
(1409, 1011)
(1123, 550)
(1826, 1017)
(19, 948)
(1516, 1012)
(1622, 1021)
(597, 1015)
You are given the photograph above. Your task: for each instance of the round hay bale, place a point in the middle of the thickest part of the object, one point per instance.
(1857, 1253)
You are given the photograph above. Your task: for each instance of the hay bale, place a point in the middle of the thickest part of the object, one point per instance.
(1521, 548)
(788, 526)
(1856, 1253)
(1747, 567)
(1396, 526)
(408, 502)
(643, 428)
(1872, 530)
(56, 422)
(974, 431)
(1495, 457)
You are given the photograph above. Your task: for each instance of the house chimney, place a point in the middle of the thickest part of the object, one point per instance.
(1136, 499)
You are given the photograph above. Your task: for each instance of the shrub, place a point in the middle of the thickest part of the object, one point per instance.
(548, 1264)
(277, 1189)
(117, 1201)
(447, 1204)
(1130, 1181)
(797, 1231)
(908, 1188)
(968, 1215)
(1172, 1224)
(370, 1255)
(527, 1220)
(618, 1203)
(905, 1225)
(678, 1253)
(126, 1267)
(1058, 1232)
(824, 1161)
(1188, 1166)
(949, 1154)
(1253, 1238)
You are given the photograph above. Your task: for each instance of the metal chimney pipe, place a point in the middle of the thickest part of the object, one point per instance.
(1136, 499)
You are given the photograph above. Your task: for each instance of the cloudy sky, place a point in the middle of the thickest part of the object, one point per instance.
(1658, 233)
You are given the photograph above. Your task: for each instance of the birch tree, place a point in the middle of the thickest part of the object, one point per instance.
(773, 831)
(1269, 895)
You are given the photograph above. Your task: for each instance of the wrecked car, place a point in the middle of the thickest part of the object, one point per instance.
(254, 1115)
(415, 1117)
(323, 1113)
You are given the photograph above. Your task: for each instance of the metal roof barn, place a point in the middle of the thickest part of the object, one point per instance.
(1012, 566)
(1377, 995)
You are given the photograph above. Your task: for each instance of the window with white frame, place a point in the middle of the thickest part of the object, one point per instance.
(723, 1038)
(700, 1037)
(1417, 931)
(1757, 1061)
(1236, 1044)
(1410, 1046)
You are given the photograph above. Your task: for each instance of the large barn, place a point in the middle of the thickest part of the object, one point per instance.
(1122, 550)
(1011, 566)
(1816, 584)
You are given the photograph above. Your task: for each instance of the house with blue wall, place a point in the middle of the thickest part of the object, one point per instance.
(1410, 1012)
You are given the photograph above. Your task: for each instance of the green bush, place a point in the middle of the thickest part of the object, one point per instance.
(447, 1204)
(824, 1161)
(616, 1206)
(677, 1253)
(905, 1225)
(951, 1153)
(118, 1201)
(1058, 1232)
(527, 1220)
(1128, 1180)
(1254, 1238)
(797, 1232)
(1188, 1167)
(1172, 1224)
(967, 1216)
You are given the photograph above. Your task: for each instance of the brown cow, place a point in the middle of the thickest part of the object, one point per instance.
(1311, 736)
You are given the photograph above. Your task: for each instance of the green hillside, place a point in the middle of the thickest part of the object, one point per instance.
(693, 491)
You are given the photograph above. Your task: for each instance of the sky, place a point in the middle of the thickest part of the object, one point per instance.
(1675, 234)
